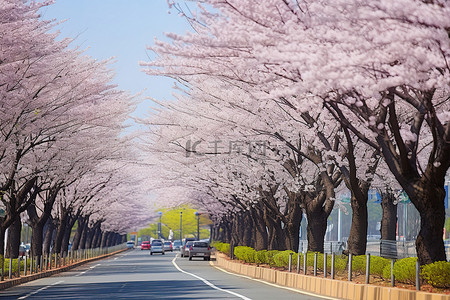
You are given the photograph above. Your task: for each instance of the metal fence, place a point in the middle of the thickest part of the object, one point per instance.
(27, 265)
(384, 248)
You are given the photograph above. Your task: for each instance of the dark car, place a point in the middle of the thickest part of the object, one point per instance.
(145, 245)
(200, 249)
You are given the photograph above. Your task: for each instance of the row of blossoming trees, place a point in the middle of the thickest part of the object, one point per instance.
(284, 104)
(63, 160)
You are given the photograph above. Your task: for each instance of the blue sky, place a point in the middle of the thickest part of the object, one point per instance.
(121, 29)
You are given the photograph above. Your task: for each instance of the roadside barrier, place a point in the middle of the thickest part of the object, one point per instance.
(324, 286)
(20, 270)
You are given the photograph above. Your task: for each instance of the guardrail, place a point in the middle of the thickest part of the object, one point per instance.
(28, 265)
(385, 248)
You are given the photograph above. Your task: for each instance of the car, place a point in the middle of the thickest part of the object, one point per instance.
(185, 249)
(200, 249)
(145, 245)
(157, 247)
(177, 244)
(130, 244)
(183, 245)
(168, 246)
(22, 250)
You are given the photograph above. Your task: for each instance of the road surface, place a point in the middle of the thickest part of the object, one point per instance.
(136, 274)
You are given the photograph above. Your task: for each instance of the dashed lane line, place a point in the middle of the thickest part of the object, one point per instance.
(41, 289)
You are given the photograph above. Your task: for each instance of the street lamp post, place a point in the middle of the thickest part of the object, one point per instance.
(159, 225)
(198, 225)
(181, 225)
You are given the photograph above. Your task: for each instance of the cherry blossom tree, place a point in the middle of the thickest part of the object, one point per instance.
(384, 89)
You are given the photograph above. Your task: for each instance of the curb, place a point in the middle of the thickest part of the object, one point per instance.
(323, 286)
(23, 279)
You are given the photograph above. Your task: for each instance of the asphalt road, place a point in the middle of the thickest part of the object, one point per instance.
(137, 275)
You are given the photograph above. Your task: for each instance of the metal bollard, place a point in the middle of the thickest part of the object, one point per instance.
(315, 263)
(332, 265)
(10, 268)
(392, 273)
(305, 262)
(350, 261)
(324, 265)
(18, 267)
(417, 276)
(31, 264)
(25, 266)
(368, 268)
(290, 262)
(298, 263)
(41, 263)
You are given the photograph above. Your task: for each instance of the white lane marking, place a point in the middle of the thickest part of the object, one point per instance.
(90, 268)
(207, 282)
(273, 284)
(41, 289)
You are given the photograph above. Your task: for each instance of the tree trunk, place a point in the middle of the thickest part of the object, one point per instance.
(429, 201)
(60, 231)
(316, 229)
(48, 238)
(388, 246)
(67, 232)
(260, 232)
(13, 242)
(37, 239)
(357, 240)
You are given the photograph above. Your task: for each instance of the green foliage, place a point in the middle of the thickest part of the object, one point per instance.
(245, 253)
(269, 257)
(437, 274)
(170, 220)
(222, 247)
(281, 259)
(377, 264)
(404, 270)
(14, 266)
(260, 257)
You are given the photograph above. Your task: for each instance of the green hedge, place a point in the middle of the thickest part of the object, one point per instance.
(245, 253)
(222, 247)
(377, 264)
(281, 259)
(14, 266)
(404, 270)
(437, 274)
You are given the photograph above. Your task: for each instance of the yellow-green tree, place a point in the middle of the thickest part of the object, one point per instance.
(170, 220)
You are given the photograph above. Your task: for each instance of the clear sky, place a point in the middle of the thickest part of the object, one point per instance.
(121, 29)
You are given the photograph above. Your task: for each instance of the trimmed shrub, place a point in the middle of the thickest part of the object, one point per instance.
(377, 264)
(404, 270)
(260, 257)
(437, 274)
(269, 256)
(281, 259)
(223, 247)
(245, 253)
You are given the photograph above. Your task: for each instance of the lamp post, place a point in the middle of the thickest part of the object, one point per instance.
(159, 225)
(198, 225)
(181, 225)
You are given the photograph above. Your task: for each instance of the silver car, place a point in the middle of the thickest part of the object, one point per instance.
(185, 249)
(200, 249)
(157, 247)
